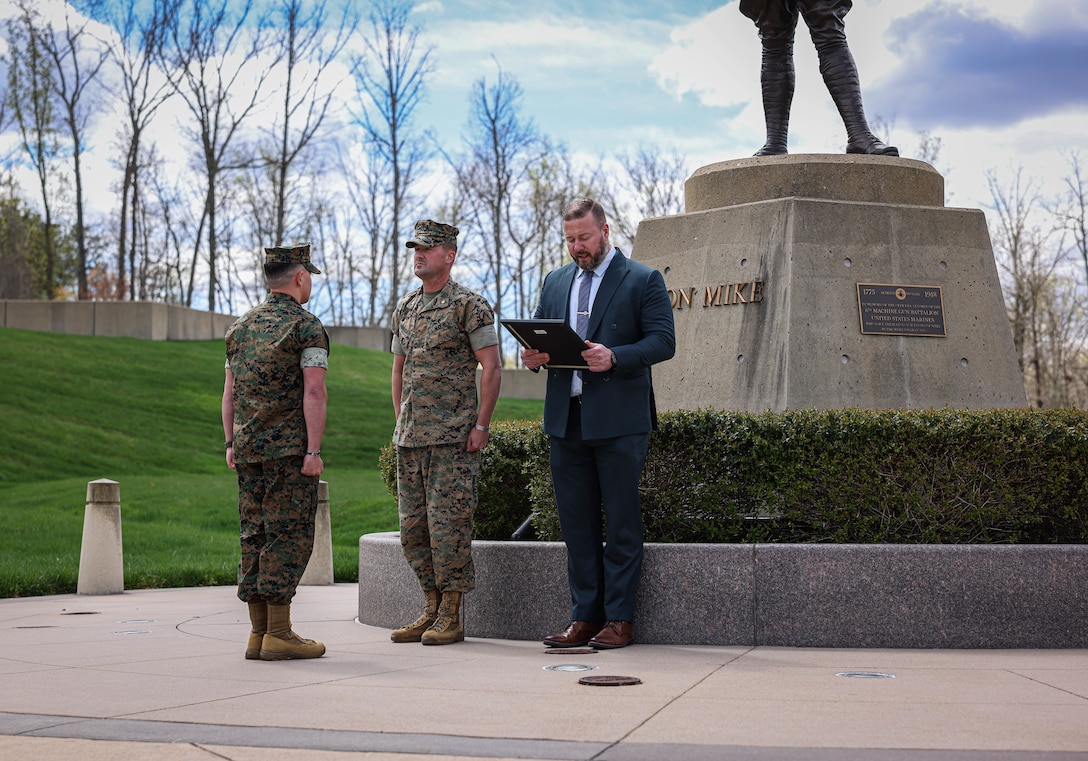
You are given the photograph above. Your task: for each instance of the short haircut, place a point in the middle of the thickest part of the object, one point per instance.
(280, 273)
(581, 207)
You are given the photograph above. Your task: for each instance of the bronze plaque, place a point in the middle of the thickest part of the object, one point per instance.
(901, 310)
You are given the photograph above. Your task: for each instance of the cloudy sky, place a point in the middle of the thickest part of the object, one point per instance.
(1002, 83)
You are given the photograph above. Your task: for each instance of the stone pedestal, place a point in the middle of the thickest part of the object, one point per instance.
(101, 558)
(319, 569)
(764, 270)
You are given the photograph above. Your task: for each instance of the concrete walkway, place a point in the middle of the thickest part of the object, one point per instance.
(160, 674)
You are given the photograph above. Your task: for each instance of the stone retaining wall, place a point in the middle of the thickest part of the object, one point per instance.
(150, 320)
(779, 595)
(167, 322)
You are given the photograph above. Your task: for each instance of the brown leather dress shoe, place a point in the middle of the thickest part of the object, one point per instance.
(575, 635)
(614, 634)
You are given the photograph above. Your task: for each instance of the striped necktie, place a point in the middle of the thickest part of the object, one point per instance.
(582, 321)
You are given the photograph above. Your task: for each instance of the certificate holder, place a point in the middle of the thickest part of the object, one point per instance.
(553, 337)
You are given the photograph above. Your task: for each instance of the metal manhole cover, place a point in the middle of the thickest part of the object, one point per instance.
(609, 681)
(570, 667)
(865, 675)
(570, 651)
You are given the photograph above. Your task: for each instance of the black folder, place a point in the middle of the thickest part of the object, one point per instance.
(554, 337)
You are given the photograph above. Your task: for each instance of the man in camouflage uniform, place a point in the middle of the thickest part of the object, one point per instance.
(440, 333)
(274, 401)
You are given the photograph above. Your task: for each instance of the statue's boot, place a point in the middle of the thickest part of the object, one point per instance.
(777, 82)
(841, 77)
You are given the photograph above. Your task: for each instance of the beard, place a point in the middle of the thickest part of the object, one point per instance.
(596, 257)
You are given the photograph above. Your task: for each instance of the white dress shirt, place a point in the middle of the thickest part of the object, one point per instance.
(572, 311)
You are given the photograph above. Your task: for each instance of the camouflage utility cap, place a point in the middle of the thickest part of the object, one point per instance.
(291, 255)
(428, 234)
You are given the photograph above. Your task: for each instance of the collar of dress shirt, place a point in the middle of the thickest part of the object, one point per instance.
(602, 268)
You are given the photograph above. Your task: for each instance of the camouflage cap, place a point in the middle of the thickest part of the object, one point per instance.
(291, 255)
(428, 233)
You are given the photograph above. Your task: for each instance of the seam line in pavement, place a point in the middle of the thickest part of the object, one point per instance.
(135, 730)
(145, 731)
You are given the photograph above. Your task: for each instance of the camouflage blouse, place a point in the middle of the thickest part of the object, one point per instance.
(266, 351)
(438, 383)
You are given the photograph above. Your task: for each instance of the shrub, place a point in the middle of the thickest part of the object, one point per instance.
(895, 476)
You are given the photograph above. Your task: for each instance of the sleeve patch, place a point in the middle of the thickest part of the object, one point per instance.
(314, 357)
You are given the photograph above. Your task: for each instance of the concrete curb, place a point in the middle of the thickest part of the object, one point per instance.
(779, 595)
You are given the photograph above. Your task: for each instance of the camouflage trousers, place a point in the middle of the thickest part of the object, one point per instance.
(277, 507)
(436, 496)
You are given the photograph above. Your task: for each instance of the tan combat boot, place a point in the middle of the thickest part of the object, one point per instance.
(280, 643)
(447, 627)
(258, 620)
(413, 631)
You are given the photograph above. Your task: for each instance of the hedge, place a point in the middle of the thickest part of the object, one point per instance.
(842, 476)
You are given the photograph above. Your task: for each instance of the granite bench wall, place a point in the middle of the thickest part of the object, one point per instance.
(786, 595)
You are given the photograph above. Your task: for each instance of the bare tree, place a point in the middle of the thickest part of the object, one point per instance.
(656, 180)
(929, 148)
(30, 96)
(165, 203)
(18, 225)
(307, 92)
(1072, 210)
(652, 185)
(1023, 252)
(238, 270)
(368, 182)
(77, 59)
(536, 234)
(337, 234)
(391, 76)
(136, 51)
(1063, 335)
(217, 63)
(501, 144)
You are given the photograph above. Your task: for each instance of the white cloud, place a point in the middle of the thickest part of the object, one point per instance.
(604, 86)
(716, 59)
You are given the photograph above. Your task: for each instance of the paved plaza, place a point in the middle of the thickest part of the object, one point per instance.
(160, 674)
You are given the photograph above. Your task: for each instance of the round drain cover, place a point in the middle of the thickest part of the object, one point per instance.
(609, 681)
(570, 651)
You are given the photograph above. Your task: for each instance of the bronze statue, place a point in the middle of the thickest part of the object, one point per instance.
(777, 23)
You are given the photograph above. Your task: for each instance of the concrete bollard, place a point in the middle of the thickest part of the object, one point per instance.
(101, 561)
(319, 569)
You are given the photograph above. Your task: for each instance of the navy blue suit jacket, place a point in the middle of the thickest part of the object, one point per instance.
(631, 315)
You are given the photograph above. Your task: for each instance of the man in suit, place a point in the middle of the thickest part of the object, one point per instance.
(598, 421)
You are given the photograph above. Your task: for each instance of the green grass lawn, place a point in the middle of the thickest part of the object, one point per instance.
(146, 414)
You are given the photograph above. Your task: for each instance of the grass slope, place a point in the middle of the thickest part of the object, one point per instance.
(146, 414)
